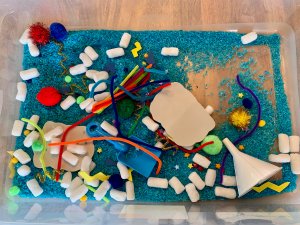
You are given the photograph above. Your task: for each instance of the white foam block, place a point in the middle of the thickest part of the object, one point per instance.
(100, 75)
(117, 195)
(23, 170)
(209, 109)
(196, 180)
(210, 177)
(248, 38)
(30, 138)
(34, 187)
(170, 51)
(77, 149)
(22, 156)
(201, 160)
(159, 145)
(150, 123)
(294, 143)
(17, 128)
(66, 180)
(125, 40)
(229, 193)
(78, 192)
(157, 182)
(76, 182)
(85, 103)
(33, 49)
(78, 69)
(192, 192)
(21, 91)
(102, 190)
(123, 171)
(24, 37)
(102, 96)
(54, 150)
(70, 158)
(93, 183)
(87, 62)
(91, 53)
(33, 212)
(55, 132)
(228, 180)
(295, 163)
(175, 183)
(130, 191)
(85, 164)
(284, 143)
(68, 102)
(29, 74)
(109, 128)
(280, 158)
(115, 52)
(35, 119)
(99, 88)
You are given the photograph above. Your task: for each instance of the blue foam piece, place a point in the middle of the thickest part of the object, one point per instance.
(141, 162)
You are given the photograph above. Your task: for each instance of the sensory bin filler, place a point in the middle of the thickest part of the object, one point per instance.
(150, 116)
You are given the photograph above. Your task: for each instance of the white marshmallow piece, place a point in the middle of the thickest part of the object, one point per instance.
(76, 182)
(78, 69)
(70, 158)
(115, 52)
(29, 74)
(77, 149)
(21, 91)
(294, 143)
(89, 108)
(102, 96)
(159, 145)
(109, 128)
(77, 193)
(34, 187)
(33, 49)
(123, 171)
(92, 166)
(30, 138)
(125, 40)
(54, 150)
(33, 212)
(169, 51)
(228, 181)
(157, 182)
(150, 124)
(68, 102)
(197, 181)
(102, 75)
(209, 109)
(91, 53)
(295, 163)
(100, 87)
(55, 132)
(87, 62)
(66, 180)
(17, 128)
(229, 193)
(35, 119)
(284, 143)
(24, 37)
(175, 183)
(192, 192)
(23, 170)
(102, 190)
(85, 164)
(201, 160)
(130, 191)
(280, 158)
(22, 156)
(248, 38)
(117, 195)
(85, 103)
(210, 177)
(93, 183)
(91, 73)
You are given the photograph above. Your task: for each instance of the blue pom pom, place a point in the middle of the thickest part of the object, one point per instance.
(58, 31)
(247, 103)
(116, 181)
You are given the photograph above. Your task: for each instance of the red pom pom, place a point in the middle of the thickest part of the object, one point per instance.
(48, 96)
(39, 34)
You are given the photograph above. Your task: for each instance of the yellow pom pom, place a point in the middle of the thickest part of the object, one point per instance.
(83, 198)
(240, 118)
(262, 123)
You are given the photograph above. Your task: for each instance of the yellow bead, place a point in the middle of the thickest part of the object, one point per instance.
(83, 198)
(262, 123)
(14, 160)
(26, 132)
(218, 166)
(146, 55)
(144, 63)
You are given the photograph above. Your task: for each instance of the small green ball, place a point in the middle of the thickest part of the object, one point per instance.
(37, 146)
(14, 190)
(80, 99)
(68, 79)
(125, 108)
(212, 149)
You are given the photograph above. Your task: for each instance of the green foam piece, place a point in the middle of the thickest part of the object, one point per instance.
(215, 148)
(125, 108)
(14, 190)
(37, 146)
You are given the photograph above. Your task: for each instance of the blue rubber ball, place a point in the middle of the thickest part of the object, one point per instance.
(58, 31)
(247, 103)
(116, 181)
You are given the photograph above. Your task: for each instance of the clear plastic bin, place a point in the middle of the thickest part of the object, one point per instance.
(281, 209)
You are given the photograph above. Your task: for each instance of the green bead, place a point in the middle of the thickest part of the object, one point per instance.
(14, 190)
(80, 99)
(125, 108)
(68, 79)
(37, 146)
(212, 149)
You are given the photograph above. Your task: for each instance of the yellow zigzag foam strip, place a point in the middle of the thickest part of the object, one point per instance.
(137, 48)
(274, 187)
(88, 178)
